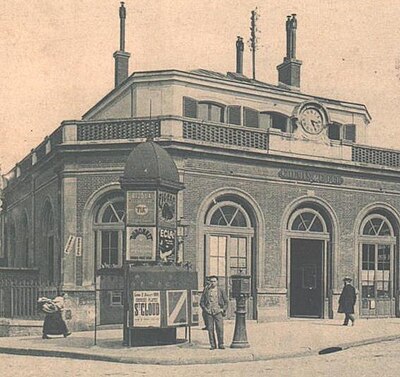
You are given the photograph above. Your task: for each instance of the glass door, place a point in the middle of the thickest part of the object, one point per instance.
(377, 280)
(229, 255)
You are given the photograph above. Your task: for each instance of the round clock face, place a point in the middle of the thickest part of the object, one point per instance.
(311, 120)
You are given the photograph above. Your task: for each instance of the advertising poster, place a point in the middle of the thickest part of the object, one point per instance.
(167, 208)
(146, 309)
(78, 246)
(141, 207)
(167, 244)
(140, 243)
(69, 245)
(195, 303)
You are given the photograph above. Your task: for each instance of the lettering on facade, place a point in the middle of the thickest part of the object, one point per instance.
(310, 176)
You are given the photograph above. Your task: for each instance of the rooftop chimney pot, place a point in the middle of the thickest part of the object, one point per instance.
(121, 57)
(239, 55)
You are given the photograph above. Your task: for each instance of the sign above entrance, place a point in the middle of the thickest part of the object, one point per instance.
(310, 176)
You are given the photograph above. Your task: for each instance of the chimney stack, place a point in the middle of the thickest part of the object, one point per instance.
(289, 70)
(121, 56)
(239, 55)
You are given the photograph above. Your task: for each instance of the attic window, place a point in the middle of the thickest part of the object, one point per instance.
(337, 131)
(210, 111)
(250, 117)
(274, 120)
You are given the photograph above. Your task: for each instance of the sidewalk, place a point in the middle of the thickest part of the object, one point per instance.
(292, 338)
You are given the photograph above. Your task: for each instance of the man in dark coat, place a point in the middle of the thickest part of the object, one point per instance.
(347, 301)
(214, 304)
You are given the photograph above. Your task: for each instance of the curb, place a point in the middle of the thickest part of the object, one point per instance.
(84, 355)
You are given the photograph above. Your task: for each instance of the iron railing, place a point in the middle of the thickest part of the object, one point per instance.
(18, 299)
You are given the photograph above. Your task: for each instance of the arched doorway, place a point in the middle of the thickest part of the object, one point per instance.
(377, 241)
(309, 262)
(229, 234)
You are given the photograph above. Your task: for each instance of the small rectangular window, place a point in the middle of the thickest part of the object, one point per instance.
(349, 133)
(250, 117)
(189, 107)
(234, 115)
(116, 298)
(334, 131)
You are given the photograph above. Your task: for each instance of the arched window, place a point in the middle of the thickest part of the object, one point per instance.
(109, 228)
(229, 235)
(49, 241)
(25, 241)
(307, 220)
(377, 265)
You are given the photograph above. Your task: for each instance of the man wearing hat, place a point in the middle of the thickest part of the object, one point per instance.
(347, 301)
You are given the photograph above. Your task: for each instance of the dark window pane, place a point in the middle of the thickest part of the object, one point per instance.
(250, 117)
(216, 113)
(202, 111)
(234, 115)
(279, 122)
(189, 107)
(349, 132)
(334, 131)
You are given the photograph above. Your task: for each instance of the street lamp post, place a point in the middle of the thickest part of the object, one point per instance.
(240, 291)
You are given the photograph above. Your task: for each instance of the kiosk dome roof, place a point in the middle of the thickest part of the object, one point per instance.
(150, 162)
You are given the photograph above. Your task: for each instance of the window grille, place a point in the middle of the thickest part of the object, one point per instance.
(118, 130)
(225, 135)
(375, 156)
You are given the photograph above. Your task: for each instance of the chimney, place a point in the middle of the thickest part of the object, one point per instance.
(239, 55)
(289, 70)
(121, 56)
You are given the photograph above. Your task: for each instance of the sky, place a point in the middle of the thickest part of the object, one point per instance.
(56, 55)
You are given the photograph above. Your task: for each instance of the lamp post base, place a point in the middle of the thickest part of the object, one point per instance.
(240, 334)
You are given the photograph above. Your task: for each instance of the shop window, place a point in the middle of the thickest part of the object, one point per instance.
(109, 228)
(250, 117)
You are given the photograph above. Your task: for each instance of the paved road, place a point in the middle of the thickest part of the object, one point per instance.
(378, 359)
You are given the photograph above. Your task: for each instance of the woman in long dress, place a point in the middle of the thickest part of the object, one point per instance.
(53, 322)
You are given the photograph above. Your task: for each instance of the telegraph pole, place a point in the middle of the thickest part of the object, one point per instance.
(253, 41)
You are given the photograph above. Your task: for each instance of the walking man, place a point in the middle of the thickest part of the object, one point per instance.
(347, 301)
(214, 304)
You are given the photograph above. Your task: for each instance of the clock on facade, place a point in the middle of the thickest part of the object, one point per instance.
(312, 120)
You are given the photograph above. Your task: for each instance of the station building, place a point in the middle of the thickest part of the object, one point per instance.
(279, 184)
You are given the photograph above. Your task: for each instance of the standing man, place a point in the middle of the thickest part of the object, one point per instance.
(347, 301)
(214, 304)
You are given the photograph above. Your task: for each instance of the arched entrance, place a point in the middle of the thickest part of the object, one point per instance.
(309, 261)
(229, 245)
